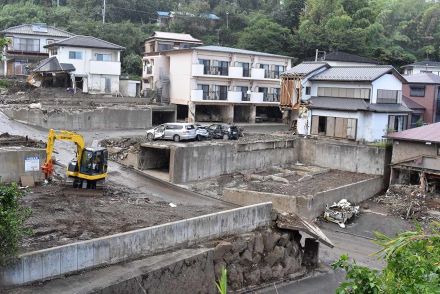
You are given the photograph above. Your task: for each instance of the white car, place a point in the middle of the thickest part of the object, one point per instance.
(173, 131)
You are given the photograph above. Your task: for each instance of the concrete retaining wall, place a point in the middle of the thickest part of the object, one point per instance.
(100, 118)
(191, 163)
(348, 157)
(52, 262)
(309, 207)
(13, 163)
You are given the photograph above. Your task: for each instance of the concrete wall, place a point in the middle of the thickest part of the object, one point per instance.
(308, 206)
(344, 156)
(101, 118)
(191, 163)
(12, 163)
(53, 262)
(403, 150)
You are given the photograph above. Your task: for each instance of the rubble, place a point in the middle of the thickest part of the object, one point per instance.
(7, 139)
(120, 148)
(410, 202)
(340, 212)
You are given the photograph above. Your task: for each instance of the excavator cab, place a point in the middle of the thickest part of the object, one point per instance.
(92, 167)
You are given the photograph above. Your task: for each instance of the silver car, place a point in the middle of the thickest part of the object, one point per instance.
(173, 131)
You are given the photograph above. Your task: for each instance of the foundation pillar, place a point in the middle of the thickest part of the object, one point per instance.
(228, 114)
(191, 112)
(252, 114)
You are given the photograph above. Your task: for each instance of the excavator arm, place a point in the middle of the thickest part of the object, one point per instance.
(47, 167)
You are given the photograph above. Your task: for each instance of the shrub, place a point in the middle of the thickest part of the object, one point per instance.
(12, 218)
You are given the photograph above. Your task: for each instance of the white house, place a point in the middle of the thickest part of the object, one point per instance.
(26, 47)
(361, 103)
(93, 64)
(424, 66)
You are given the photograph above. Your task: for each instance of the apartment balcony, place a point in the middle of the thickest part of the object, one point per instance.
(235, 72)
(105, 67)
(235, 96)
(214, 96)
(256, 97)
(271, 97)
(257, 73)
(197, 69)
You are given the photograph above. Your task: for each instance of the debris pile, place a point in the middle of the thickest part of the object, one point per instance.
(340, 212)
(410, 202)
(7, 139)
(120, 148)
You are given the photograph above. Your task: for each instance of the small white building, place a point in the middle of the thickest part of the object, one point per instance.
(361, 103)
(424, 66)
(93, 64)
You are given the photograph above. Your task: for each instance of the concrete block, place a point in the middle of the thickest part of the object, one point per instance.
(144, 236)
(69, 258)
(101, 251)
(116, 249)
(180, 232)
(85, 254)
(12, 274)
(32, 267)
(51, 263)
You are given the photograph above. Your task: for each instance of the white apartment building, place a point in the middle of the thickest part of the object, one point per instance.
(93, 64)
(361, 103)
(214, 83)
(424, 66)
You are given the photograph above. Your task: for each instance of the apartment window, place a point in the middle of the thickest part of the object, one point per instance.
(388, 96)
(278, 70)
(416, 120)
(266, 69)
(308, 90)
(360, 93)
(103, 57)
(223, 68)
(28, 45)
(276, 95)
(222, 92)
(75, 55)
(244, 94)
(205, 90)
(245, 66)
(397, 123)
(206, 65)
(265, 91)
(417, 91)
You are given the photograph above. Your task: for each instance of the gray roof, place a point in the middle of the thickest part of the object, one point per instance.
(52, 64)
(32, 29)
(87, 42)
(423, 78)
(354, 104)
(424, 63)
(412, 104)
(305, 68)
(354, 73)
(236, 50)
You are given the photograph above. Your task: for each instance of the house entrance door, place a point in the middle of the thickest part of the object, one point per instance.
(108, 85)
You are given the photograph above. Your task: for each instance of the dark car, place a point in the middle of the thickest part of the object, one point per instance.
(224, 131)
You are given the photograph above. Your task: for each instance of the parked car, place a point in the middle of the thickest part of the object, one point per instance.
(202, 133)
(224, 131)
(173, 131)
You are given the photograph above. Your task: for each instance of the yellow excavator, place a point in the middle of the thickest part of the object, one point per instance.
(87, 169)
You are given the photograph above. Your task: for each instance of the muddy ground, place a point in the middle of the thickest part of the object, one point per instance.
(289, 180)
(60, 217)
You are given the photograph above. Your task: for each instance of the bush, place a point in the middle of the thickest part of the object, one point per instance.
(413, 266)
(12, 218)
(4, 84)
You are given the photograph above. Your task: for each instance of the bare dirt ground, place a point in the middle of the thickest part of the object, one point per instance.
(288, 180)
(60, 217)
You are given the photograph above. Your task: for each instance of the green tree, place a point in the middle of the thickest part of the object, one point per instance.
(132, 64)
(412, 266)
(12, 218)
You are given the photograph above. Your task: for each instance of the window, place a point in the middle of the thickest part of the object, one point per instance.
(276, 95)
(417, 91)
(190, 127)
(164, 46)
(278, 70)
(103, 57)
(205, 90)
(206, 65)
(388, 96)
(28, 45)
(263, 90)
(75, 55)
(245, 66)
(266, 69)
(331, 126)
(223, 68)
(397, 123)
(53, 51)
(308, 90)
(221, 92)
(416, 120)
(244, 94)
(360, 93)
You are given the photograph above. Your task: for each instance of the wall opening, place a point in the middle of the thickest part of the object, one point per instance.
(182, 112)
(242, 113)
(269, 114)
(155, 161)
(161, 117)
(213, 113)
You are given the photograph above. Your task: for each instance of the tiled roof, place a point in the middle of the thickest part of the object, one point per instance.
(423, 78)
(305, 68)
(354, 104)
(30, 29)
(174, 36)
(424, 63)
(236, 50)
(412, 104)
(87, 42)
(354, 73)
(428, 133)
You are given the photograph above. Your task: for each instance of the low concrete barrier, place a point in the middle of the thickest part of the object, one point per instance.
(308, 206)
(53, 262)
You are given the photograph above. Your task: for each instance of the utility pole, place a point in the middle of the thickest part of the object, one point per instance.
(227, 20)
(103, 12)
(58, 3)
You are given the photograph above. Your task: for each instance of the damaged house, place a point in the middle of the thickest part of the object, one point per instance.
(416, 157)
(361, 103)
(89, 64)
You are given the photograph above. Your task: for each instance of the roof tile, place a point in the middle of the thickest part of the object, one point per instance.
(428, 133)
